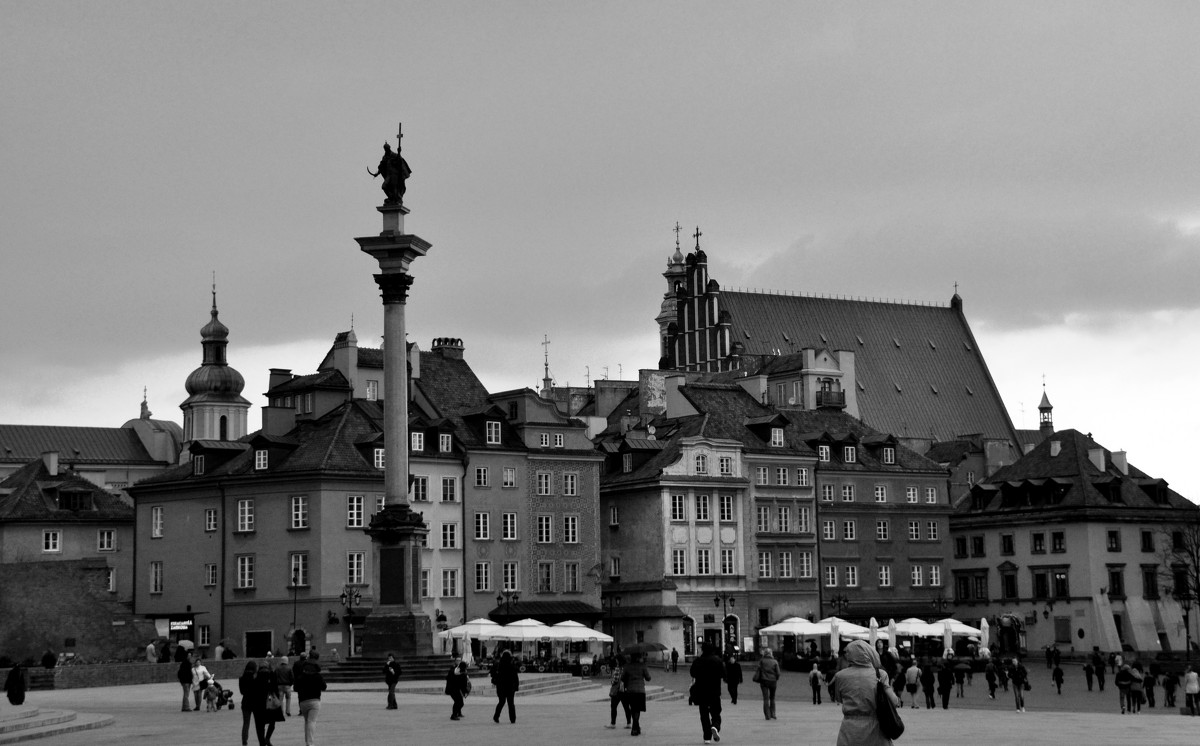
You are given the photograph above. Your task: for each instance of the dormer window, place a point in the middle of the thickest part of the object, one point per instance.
(493, 432)
(372, 390)
(380, 459)
(889, 455)
(445, 442)
(260, 459)
(823, 453)
(418, 441)
(777, 437)
(626, 462)
(197, 465)
(850, 454)
(701, 463)
(74, 501)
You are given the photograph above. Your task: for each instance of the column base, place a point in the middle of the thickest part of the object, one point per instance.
(396, 632)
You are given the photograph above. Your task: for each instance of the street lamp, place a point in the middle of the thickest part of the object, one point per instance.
(508, 598)
(725, 601)
(838, 604)
(939, 604)
(295, 592)
(350, 598)
(1184, 599)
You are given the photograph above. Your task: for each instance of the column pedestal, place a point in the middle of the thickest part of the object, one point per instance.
(395, 624)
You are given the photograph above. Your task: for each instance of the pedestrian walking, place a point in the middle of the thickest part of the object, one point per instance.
(285, 677)
(16, 684)
(185, 676)
(1002, 674)
(945, 679)
(1089, 673)
(1148, 684)
(855, 688)
(912, 681)
(928, 682)
(767, 676)
(1137, 691)
(268, 708)
(507, 681)
(1055, 655)
(249, 692)
(1124, 682)
(1191, 690)
(1049, 657)
(634, 677)
(391, 677)
(674, 660)
(1020, 683)
(200, 680)
(733, 677)
(456, 686)
(707, 673)
(151, 652)
(989, 674)
(1057, 677)
(309, 684)
(616, 694)
(1170, 682)
(816, 681)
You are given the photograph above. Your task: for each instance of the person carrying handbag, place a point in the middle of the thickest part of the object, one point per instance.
(616, 694)
(767, 676)
(856, 688)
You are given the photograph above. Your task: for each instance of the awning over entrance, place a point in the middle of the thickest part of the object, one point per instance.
(547, 612)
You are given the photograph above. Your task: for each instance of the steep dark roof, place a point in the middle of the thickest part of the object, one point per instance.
(951, 451)
(31, 496)
(328, 379)
(1069, 480)
(919, 371)
(75, 445)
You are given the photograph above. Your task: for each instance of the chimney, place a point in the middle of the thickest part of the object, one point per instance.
(1096, 456)
(1055, 447)
(1121, 461)
(50, 459)
(278, 376)
(449, 348)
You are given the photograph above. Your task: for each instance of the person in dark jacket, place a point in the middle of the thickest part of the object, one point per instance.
(16, 684)
(767, 675)
(929, 682)
(707, 672)
(456, 686)
(507, 681)
(733, 677)
(391, 677)
(266, 683)
(285, 677)
(634, 678)
(945, 679)
(1020, 680)
(249, 692)
(184, 674)
(1124, 680)
(309, 684)
(1057, 677)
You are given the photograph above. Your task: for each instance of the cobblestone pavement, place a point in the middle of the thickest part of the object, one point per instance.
(149, 714)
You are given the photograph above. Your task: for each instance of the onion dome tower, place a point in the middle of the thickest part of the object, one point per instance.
(215, 408)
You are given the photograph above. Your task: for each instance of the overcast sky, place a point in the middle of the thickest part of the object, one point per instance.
(1044, 156)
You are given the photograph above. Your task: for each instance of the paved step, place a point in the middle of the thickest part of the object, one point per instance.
(46, 723)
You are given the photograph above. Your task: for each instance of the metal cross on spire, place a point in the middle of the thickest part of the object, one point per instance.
(677, 229)
(399, 135)
(697, 236)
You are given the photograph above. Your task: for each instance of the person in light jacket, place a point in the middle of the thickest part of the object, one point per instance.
(855, 687)
(767, 675)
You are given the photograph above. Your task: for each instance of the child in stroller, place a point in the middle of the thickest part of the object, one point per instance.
(217, 697)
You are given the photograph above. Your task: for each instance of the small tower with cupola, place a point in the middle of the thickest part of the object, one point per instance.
(215, 408)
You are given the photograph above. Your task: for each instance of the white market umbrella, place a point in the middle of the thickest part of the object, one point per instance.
(835, 644)
(570, 631)
(947, 639)
(873, 634)
(913, 627)
(984, 634)
(520, 631)
(467, 657)
(474, 628)
(957, 628)
(797, 626)
(892, 633)
(843, 627)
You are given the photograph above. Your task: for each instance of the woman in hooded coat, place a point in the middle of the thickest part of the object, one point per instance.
(855, 687)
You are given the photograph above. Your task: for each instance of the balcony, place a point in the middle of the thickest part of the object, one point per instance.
(831, 399)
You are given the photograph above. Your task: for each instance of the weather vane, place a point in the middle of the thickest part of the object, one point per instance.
(394, 170)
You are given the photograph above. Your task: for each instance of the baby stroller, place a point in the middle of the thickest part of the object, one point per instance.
(222, 697)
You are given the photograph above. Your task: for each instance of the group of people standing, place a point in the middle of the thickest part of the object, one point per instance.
(267, 696)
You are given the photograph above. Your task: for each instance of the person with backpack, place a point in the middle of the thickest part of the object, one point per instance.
(616, 694)
(309, 684)
(816, 681)
(855, 688)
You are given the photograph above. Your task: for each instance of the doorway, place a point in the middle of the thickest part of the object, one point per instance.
(258, 644)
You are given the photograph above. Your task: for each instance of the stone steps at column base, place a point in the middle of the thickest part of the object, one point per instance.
(46, 723)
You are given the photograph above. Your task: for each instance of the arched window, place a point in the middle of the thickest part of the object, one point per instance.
(224, 428)
(701, 463)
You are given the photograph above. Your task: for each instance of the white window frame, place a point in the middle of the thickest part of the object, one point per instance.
(510, 478)
(508, 527)
(420, 488)
(785, 564)
(914, 530)
(828, 530)
(883, 529)
(679, 562)
(782, 475)
(935, 576)
(245, 571)
(545, 576)
(210, 519)
(483, 577)
(245, 515)
(777, 437)
(703, 562)
(106, 540)
(570, 484)
(570, 529)
(931, 495)
(848, 493)
(445, 442)
(701, 463)
(851, 572)
(885, 576)
(356, 567)
(545, 528)
(417, 442)
(849, 454)
(679, 508)
(785, 519)
(450, 535)
(481, 476)
(889, 455)
(803, 520)
(380, 458)
(761, 475)
(850, 530)
(725, 466)
(156, 522)
(911, 495)
(931, 528)
(917, 576)
(802, 476)
(51, 541)
(544, 440)
(804, 563)
(823, 453)
(702, 509)
(261, 459)
(156, 577)
(210, 574)
(764, 564)
(728, 562)
(492, 432)
(827, 493)
(831, 576)
(559, 440)
(356, 508)
(483, 526)
(544, 483)
(299, 512)
(727, 514)
(372, 390)
(763, 518)
(298, 565)
(614, 567)
(449, 583)
(880, 493)
(570, 577)
(449, 489)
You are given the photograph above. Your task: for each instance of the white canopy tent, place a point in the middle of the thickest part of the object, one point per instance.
(472, 628)
(570, 631)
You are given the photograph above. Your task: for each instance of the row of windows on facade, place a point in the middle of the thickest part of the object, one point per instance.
(679, 514)
(781, 565)
(1054, 584)
(549, 579)
(1058, 543)
(355, 518)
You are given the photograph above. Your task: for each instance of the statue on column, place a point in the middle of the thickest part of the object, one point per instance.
(394, 170)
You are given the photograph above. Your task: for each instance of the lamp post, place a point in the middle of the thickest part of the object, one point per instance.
(939, 604)
(295, 592)
(508, 598)
(725, 601)
(1184, 599)
(350, 598)
(838, 604)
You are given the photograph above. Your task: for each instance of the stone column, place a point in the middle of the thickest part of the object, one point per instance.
(395, 623)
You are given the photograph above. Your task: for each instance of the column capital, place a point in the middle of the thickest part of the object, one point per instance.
(393, 287)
